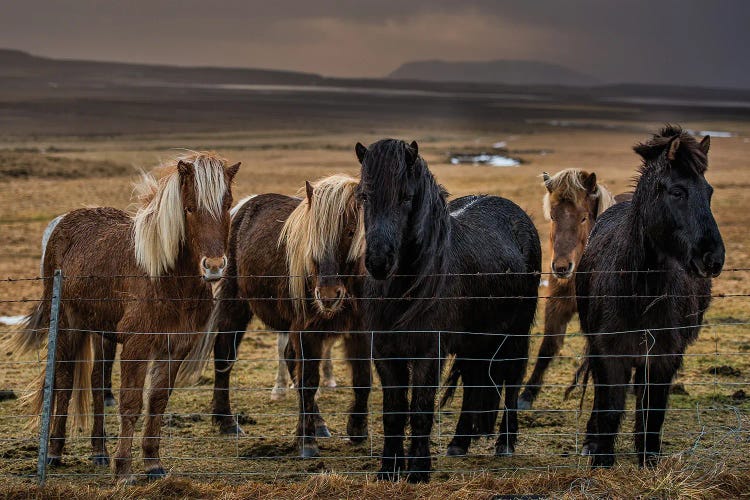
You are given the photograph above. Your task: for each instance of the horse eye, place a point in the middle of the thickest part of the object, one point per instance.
(676, 193)
(584, 219)
(188, 210)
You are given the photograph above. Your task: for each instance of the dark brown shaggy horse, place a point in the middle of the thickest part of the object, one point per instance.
(643, 285)
(144, 281)
(306, 255)
(572, 204)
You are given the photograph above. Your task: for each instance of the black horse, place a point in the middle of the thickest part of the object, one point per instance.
(634, 318)
(441, 271)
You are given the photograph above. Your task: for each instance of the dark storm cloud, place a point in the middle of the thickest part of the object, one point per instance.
(668, 41)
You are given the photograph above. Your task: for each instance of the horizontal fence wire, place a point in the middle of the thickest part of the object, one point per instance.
(707, 419)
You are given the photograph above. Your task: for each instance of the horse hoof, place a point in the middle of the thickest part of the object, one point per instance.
(455, 451)
(418, 477)
(232, 429)
(310, 450)
(602, 460)
(100, 460)
(278, 393)
(524, 404)
(387, 476)
(504, 450)
(129, 480)
(54, 461)
(110, 401)
(156, 473)
(357, 439)
(588, 449)
(322, 431)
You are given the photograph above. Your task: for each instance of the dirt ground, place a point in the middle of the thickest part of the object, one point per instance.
(705, 428)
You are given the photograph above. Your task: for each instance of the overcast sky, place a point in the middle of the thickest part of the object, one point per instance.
(691, 42)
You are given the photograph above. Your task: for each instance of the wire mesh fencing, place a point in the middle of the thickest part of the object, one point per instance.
(706, 421)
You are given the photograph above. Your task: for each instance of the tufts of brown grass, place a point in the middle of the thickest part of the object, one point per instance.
(671, 479)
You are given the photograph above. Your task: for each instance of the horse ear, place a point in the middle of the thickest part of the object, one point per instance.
(232, 171)
(705, 144)
(412, 153)
(674, 145)
(547, 178)
(184, 168)
(361, 151)
(309, 189)
(589, 183)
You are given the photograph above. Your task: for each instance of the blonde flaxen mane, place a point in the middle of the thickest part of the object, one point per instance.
(312, 230)
(568, 185)
(159, 220)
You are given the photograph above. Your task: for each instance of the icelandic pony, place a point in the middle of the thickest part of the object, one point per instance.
(305, 254)
(226, 422)
(572, 203)
(143, 280)
(643, 285)
(420, 314)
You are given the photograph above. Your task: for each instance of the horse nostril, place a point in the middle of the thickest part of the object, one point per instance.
(223, 262)
(204, 263)
(340, 292)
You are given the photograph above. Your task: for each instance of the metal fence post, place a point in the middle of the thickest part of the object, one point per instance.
(49, 379)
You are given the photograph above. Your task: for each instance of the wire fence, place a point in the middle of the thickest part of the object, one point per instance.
(707, 420)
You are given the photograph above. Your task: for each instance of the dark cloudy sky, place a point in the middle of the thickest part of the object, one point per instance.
(692, 42)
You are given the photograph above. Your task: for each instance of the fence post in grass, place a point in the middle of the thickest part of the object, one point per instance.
(49, 379)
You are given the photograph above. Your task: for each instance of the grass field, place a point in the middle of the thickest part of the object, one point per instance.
(705, 432)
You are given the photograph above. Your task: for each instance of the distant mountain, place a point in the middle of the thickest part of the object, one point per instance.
(507, 72)
(19, 65)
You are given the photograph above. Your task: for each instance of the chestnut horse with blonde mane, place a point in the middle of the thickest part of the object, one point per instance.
(572, 203)
(143, 280)
(306, 255)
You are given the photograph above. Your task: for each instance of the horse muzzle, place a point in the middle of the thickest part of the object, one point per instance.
(709, 265)
(213, 268)
(329, 299)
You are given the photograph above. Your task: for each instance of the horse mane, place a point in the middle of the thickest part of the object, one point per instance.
(430, 226)
(567, 185)
(159, 219)
(689, 154)
(313, 230)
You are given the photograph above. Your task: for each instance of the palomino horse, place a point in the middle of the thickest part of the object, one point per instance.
(572, 203)
(414, 240)
(643, 286)
(144, 281)
(305, 254)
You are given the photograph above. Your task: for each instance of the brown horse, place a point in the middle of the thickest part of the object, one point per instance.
(572, 204)
(306, 254)
(142, 280)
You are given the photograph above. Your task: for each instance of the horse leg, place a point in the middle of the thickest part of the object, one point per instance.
(308, 349)
(282, 372)
(163, 375)
(357, 347)
(329, 379)
(612, 378)
(109, 352)
(133, 376)
(589, 443)
(64, 376)
(225, 354)
(651, 402)
(557, 315)
(505, 445)
(459, 445)
(99, 389)
(394, 379)
(425, 377)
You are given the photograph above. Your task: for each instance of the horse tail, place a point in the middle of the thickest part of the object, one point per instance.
(83, 359)
(580, 379)
(451, 383)
(32, 334)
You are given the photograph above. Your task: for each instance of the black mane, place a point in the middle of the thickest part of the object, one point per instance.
(689, 154)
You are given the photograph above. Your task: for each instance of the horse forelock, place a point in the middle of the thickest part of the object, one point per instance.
(159, 220)
(313, 231)
(567, 185)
